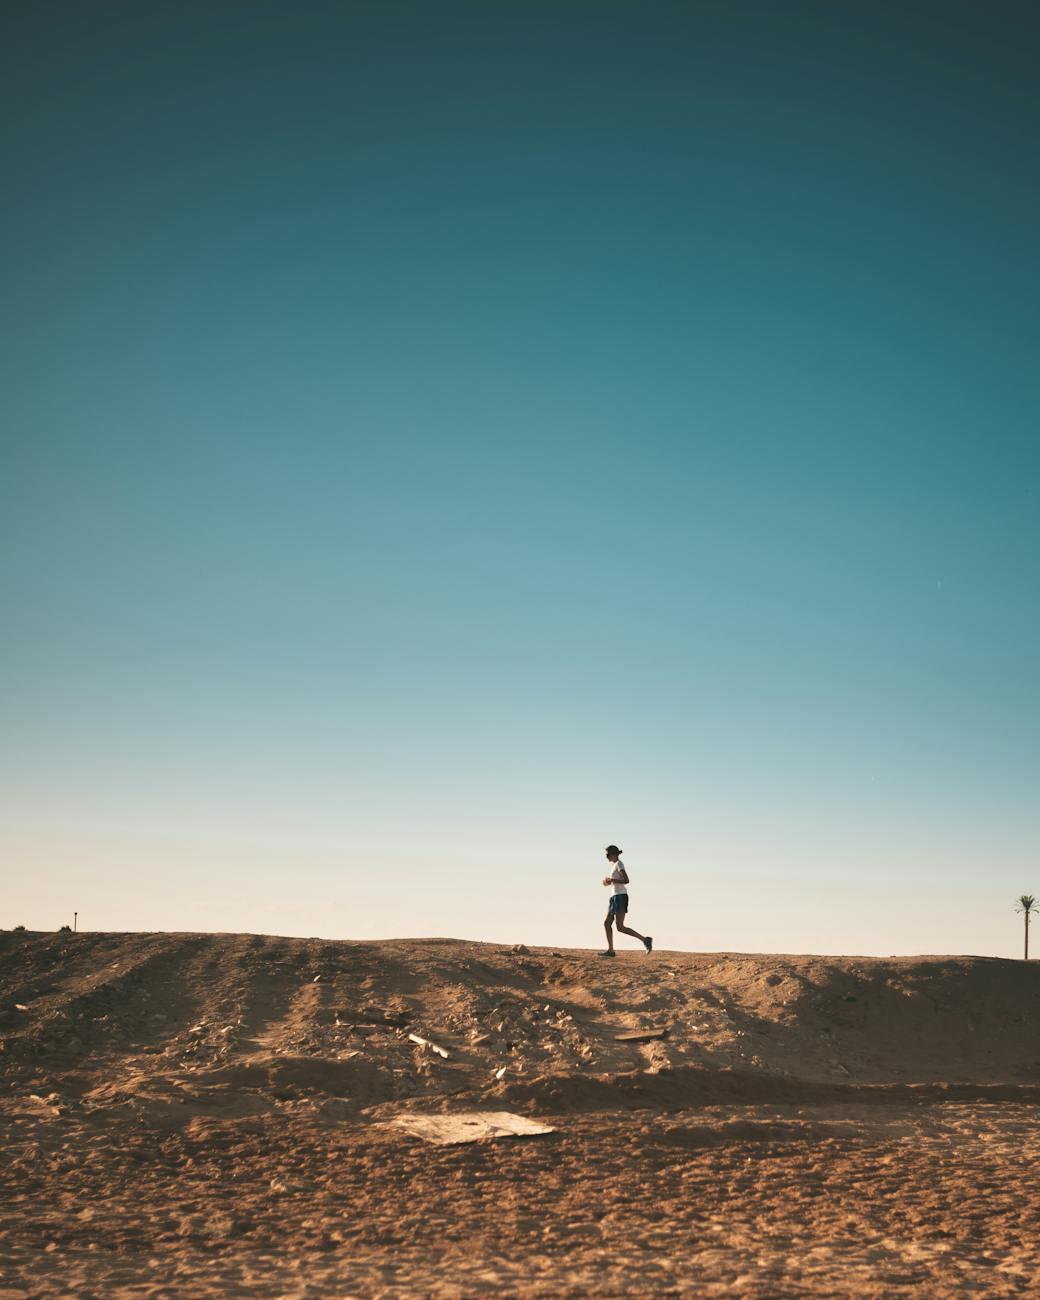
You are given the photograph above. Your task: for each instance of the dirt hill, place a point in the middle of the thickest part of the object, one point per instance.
(234, 1115)
(250, 1018)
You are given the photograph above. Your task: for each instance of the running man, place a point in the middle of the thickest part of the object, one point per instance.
(618, 908)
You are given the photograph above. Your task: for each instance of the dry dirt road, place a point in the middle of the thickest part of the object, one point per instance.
(214, 1115)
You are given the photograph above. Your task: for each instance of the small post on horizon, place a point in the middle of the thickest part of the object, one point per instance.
(75, 922)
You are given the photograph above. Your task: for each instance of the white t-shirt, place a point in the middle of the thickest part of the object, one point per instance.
(617, 876)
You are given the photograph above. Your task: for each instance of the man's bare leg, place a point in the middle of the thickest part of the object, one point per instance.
(607, 925)
(624, 929)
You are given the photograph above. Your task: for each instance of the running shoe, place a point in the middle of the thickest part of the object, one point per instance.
(648, 943)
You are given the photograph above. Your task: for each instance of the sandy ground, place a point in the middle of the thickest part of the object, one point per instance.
(212, 1115)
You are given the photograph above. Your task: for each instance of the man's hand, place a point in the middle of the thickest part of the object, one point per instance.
(606, 880)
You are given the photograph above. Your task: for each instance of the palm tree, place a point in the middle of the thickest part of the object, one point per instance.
(1026, 904)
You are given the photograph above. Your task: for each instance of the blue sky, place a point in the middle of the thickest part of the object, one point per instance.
(441, 441)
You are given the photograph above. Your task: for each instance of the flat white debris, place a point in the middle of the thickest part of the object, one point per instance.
(426, 1042)
(469, 1126)
(640, 1035)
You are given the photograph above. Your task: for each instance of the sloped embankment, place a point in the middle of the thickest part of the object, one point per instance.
(170, 1026)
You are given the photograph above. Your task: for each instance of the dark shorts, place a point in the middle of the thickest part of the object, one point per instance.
(618, 905)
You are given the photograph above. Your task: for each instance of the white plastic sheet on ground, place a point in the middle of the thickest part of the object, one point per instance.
(469, 1126)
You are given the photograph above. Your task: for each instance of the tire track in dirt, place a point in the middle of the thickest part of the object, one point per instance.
(125, 1004)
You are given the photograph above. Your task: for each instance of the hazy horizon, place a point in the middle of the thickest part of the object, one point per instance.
(440, 443)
